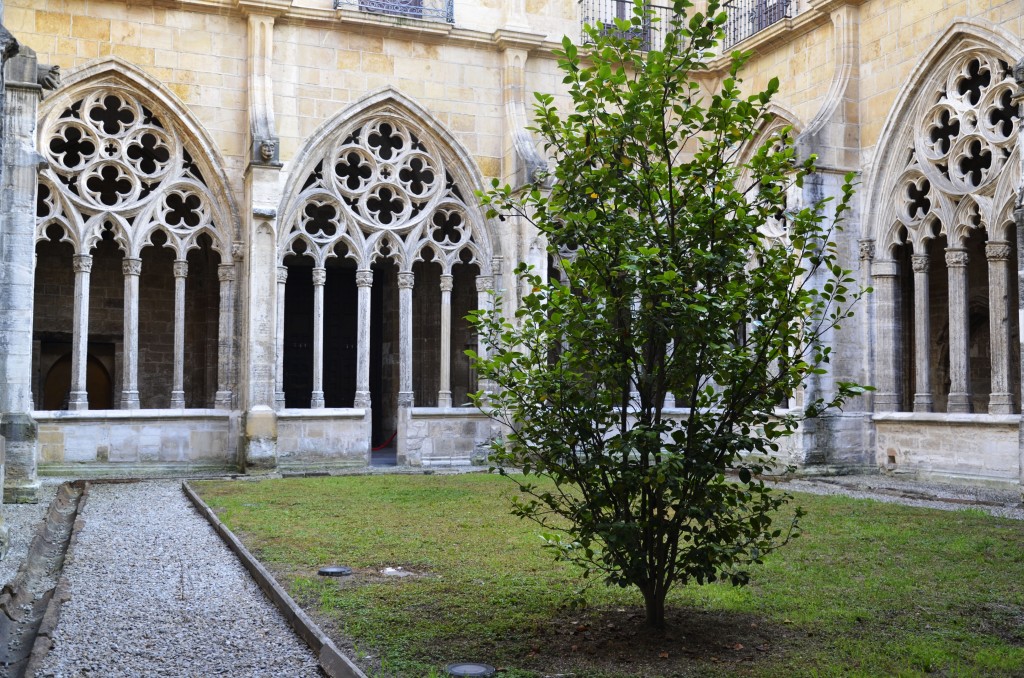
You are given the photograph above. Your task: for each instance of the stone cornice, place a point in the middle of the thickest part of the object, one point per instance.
(368, 23)
(781, 33)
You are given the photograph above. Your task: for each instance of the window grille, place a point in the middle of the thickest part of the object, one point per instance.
(603, 13)
(748, 17)
(427, 10)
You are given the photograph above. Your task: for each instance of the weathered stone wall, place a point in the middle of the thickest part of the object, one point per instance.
(964, 447)
(332, 437)
(123, 437)
(441, 437)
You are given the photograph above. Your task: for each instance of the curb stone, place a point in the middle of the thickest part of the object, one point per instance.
(332, 661)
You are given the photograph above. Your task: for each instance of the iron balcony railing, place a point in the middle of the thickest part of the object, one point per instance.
(427, 10)
(748, 17)
(603, 13)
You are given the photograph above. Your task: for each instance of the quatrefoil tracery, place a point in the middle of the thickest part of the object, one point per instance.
(381, 186)
(967, 130)
(110, 154)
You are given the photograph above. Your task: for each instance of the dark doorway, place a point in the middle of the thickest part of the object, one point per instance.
(384, 354)
(57, 384)
(341, 305)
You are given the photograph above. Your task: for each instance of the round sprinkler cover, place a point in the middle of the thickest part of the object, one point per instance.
(335, 571)
(469, 669)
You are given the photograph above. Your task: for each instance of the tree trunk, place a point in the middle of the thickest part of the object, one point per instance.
(654, 602)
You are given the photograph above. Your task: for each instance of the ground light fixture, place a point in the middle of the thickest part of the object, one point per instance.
(335, 571)
(460, 669)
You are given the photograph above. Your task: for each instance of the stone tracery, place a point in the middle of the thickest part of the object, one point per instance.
(953, 190)
(381, 196)
(118, 169)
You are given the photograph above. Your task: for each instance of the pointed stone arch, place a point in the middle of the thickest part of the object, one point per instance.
(125, 160)
(152, 106)
(944, 172)
(386, 179)
(311, 177)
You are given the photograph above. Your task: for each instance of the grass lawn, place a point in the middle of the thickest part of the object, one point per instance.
(870, 589)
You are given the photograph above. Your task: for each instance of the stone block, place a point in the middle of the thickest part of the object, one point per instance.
(90, 28)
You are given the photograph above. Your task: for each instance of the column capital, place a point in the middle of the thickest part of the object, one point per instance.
(956, 258)
(180, 268)
(866, 248)
(226, 272)
(82, 263)
(405, 399)
(447, 282)
(997, 250)
(319, 276)
(405, 280)
(484, 283)
(282, 274)
(920, 263)
(364, 278)
(131, 266)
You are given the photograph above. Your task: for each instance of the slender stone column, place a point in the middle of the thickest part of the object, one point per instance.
(888, 339)
(444, 394)
(79, 397)
(998, 255)
(225, 336)
(364, 285)
(959, 331)
(670, 397)
(484, 298)
(922, 335)
(178, 387)
(282, 281)
(319, 279)
(131, 268)
(405, 393)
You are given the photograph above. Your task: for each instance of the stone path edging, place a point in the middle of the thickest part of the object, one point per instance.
(331, 659)
(56, 597)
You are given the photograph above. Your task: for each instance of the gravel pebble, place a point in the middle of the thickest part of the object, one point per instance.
(154, 592)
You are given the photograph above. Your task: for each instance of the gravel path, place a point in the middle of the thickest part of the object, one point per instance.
(154, 592)
(1004, 503)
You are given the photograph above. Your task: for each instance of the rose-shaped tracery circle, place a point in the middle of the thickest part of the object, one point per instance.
(72, 145)
(108, 152)
(386, 205)
(967, 131)
(418, 176)
(320, 220)
(149, 152)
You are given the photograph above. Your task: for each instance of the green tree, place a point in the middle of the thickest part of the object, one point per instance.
(669, 285)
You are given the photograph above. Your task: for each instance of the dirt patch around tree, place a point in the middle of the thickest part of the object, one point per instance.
(616, 642)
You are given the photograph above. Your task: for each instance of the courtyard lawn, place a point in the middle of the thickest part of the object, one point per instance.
(870, 589)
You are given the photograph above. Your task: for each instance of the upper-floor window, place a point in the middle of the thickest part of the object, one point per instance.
(603, 13)
(429, 10)
(748, 17)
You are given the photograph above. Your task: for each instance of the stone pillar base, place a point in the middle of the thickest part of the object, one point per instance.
(959, 402)
(22, 493)
(1000, 403)
(20, 432)
(923, 402)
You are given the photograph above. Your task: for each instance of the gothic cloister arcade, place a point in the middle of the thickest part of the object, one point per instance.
(945, 252)
(380, 258)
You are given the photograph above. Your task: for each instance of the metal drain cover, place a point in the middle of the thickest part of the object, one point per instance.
(335, 571)
(469, 669)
